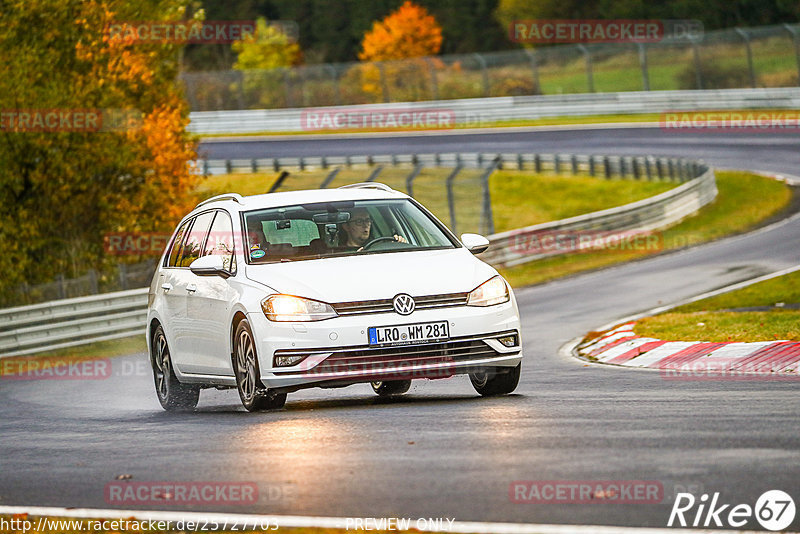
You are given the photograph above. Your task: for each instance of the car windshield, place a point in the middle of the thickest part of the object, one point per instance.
(311, 231)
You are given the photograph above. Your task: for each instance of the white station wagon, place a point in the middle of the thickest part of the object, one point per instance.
(327, 288)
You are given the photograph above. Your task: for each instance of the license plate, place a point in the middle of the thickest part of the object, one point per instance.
(408, 333)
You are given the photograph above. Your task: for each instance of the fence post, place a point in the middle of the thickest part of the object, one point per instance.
(744, 35)
(451, 202)
(123, 276)
(486, 215)
(434, 82)
(607, 167)
(592, 171)
(535, 69)
(93, 282)
(589, 75)
(698, 70)
(537, 163)
(484, 72)
(411, 177)
(335, 77)
(556, 164)
(281, 178)
(643, 65)
(796, 47)
(287, 87)
(328, 179)
(574, 164)
(374, 174)
(384, 83)
(62, 290)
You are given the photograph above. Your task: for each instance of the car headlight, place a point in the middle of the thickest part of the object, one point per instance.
(289, 308)
(493, 291)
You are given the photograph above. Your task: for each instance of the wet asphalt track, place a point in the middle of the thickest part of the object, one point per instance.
(441, 451)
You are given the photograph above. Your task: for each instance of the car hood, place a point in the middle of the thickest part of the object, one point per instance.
(375, 276)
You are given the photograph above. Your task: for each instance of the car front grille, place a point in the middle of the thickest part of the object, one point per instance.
(362, 307)
(369, 360)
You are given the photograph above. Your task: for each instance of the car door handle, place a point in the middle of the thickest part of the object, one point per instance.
(191, 288)
(166, 286)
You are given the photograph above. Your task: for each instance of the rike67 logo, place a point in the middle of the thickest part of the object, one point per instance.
(774, 510)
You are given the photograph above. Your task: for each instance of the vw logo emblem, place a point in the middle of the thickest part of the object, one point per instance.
(403, 304)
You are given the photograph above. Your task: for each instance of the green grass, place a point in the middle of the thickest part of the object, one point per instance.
(722, 326)
(744, 200)
(782, 289)
(708, 320)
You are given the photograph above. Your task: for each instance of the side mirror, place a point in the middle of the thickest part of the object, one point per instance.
(475, 243)
(209, 266)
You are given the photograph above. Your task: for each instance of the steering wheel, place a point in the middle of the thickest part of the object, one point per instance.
(377, 240)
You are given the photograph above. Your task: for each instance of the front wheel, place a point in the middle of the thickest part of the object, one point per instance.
(252, 392)
(393, 387)
(172, 395)
(495, 380)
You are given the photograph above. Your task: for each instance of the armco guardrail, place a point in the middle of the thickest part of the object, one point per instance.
(655, 213)
(72, 322)
(478, 112)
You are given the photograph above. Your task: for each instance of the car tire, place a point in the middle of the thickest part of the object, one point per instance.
(254, 395)
(495, 380)
(173, 396)
(392, 387)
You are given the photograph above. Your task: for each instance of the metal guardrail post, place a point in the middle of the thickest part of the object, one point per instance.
(228, 166)
(648, 169)
(607, 167)
(374, 174)
(623, 171)
(328, 179)
(637, 173)
(592, 170)
(671, 169)
(746, 37)
(451, 202)
(254, 165)
(205, 167)
(411, 177)
(537, 163)
(279, 181)
(643, 66)
(589, 74)
(556, 164)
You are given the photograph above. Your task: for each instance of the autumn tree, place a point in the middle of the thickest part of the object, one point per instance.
(408, 32)
(63, 189)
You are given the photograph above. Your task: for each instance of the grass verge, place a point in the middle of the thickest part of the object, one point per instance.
(754, 313)
(744, 201)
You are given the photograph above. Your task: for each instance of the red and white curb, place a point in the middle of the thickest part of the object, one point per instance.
(684, 359)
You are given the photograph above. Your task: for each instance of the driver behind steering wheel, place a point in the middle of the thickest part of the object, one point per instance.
(358, 229)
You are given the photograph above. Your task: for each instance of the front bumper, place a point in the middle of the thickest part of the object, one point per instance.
(337, 351)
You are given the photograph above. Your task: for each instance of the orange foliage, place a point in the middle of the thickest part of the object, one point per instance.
(408, 32)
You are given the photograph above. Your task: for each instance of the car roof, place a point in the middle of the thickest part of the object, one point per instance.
(235, 202)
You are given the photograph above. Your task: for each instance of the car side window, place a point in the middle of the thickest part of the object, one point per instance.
(176, 244)
(220, 240)
(192, 247)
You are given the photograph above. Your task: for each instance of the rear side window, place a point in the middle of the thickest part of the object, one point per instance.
(176, 244)
(220, 240)
(192, 247)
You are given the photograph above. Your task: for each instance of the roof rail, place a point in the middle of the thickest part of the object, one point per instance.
(368, 185)
(236, 197)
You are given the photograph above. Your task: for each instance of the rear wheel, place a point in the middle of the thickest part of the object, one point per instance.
(172, 395)
(495, 380)
(252, 392)
(393, 387)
